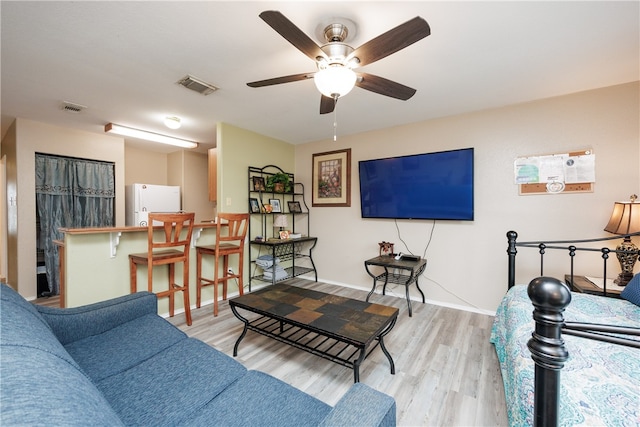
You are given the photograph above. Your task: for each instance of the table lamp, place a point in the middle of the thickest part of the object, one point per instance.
(625, 220)
(280, 221)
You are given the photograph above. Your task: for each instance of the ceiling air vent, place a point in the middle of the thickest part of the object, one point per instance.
(71, 107)
(197, 85)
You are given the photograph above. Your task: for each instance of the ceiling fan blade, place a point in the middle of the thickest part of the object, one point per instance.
(392, 41)
(384, 86)
(280, 80)
(292, 33)
(327, 104)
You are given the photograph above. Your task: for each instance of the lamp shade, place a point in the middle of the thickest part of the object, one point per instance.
(335, 80)
(280, 221)
(625, 218)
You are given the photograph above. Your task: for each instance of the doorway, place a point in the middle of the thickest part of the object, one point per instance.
(70, 193)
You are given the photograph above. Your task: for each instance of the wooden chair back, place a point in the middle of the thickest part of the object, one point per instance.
(236, 225)
(172, 238)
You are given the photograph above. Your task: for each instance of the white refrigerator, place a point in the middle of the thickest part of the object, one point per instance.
(140, 199)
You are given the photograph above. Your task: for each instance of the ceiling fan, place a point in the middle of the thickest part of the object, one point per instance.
(336, 60)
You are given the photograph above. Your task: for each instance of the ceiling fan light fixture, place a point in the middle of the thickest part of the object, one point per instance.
(335, 81)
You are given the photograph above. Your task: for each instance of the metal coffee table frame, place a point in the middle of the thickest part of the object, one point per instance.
(320, 342)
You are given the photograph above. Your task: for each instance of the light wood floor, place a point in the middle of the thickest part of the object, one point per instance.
(447, 372)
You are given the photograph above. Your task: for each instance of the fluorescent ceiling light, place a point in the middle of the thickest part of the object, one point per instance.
(149, 136)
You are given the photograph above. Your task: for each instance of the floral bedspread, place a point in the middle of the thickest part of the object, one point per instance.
(600, 382)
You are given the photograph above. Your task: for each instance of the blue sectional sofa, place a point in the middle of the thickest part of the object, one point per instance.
(118, 363)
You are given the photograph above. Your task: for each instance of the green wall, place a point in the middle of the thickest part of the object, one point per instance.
(237, 150)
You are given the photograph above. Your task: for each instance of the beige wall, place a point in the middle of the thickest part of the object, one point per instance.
(20, 145)
(467, 262)
(189, 170)
(144, 167)
(9, 208)
(3, 219)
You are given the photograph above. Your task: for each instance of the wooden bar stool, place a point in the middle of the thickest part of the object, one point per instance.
(230, 243)
(172, 248)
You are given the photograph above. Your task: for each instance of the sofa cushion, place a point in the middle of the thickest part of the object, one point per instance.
(9, 295)
(124, 346)
(381, 409)
(172, 386)
(39, 388)
(76, 323)
(23, 326)
(258, 399)
(40, 382)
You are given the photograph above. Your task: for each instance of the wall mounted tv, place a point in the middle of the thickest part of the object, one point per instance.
(422, 186)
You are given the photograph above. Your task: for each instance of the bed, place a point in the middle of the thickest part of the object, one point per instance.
(577, 378)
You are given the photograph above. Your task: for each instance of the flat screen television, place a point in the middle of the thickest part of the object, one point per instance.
(421, 186)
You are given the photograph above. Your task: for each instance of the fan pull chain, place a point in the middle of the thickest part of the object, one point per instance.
(335, 119)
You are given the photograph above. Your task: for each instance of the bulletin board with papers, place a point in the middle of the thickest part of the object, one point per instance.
(571, 172)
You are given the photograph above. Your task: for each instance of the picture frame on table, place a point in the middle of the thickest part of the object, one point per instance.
(254, 205)
(294, 206)
(258, 183)
(275, 204)
(331, 184)
(284, 234)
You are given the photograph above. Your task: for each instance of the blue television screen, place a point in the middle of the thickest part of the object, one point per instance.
(422, 186)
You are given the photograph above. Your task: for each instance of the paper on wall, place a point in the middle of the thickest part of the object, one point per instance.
(555, 168)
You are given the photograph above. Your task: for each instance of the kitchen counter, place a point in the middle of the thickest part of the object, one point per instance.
(126, 229)
(94, 264)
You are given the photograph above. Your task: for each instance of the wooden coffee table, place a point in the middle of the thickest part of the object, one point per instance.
(335, 328)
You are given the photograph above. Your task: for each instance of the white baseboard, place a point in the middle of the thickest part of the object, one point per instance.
(414, 298)
(350, 286)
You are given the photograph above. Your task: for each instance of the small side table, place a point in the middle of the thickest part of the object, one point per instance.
(583, 285)
(408, 273)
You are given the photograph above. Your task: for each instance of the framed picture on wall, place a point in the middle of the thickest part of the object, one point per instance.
(331, 173)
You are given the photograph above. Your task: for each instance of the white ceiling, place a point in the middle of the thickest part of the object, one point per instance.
(122, 60)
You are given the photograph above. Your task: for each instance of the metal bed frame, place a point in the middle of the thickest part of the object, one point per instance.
(550, 297)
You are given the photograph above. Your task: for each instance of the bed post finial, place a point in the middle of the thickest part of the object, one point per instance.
(512, 251)
(549, 297)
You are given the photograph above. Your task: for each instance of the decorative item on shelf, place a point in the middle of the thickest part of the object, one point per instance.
(279, 183)
(284, 234)
(386, 248)
(294, 207)
(258, 183)
(275, 205)
(254, 206)
(280, 221)
(625, 220)
(267, 208)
